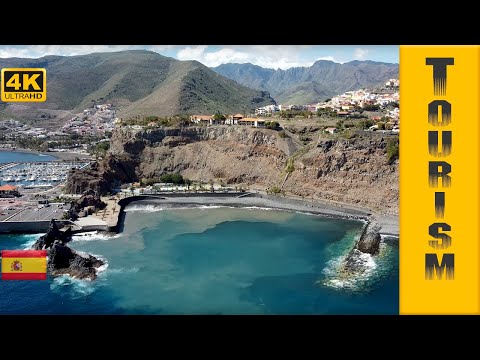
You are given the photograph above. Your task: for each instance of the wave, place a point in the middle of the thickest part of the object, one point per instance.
(144, 208)
(337, 277)
(259, 208)
(211, 207)
(30, 240)
(103, 268)
(389, 237)
(155, 208)
(76, 288)
(124, 271)
(79, 288)
(93, 236)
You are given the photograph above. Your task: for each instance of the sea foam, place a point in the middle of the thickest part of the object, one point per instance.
(143, 208)
(30, 240)
(93, 236)
(336, 278)
(76, 288)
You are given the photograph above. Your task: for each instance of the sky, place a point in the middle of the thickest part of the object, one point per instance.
(268, 56)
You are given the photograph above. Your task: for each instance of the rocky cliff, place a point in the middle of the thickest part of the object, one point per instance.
(353, 170)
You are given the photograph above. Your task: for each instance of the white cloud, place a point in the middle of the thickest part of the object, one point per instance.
(226, 55)
(267, 56)
(191, 52)
(359, 54)
(329, 58)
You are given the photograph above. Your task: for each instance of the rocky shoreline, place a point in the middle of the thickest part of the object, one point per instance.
(64, 260)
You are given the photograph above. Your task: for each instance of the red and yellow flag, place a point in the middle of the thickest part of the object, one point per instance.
(24, 265)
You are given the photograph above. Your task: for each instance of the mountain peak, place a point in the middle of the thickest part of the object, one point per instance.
(308, 85)
(322, 61)
(139, 82)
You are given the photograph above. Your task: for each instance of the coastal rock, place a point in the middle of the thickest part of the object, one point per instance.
(368, 244)
(370, 240)
(88, 203)
(53, 234)
(64, 260)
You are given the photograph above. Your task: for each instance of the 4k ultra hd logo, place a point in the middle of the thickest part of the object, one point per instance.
(24, 85)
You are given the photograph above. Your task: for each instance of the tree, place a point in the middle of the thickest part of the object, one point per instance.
(371, 107)
(287, 114)
(172, 178)
(219, 116)
(272, 125)
(365, 124)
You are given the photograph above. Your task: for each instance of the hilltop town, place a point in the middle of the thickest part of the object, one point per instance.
(379, 107)
(370, 109)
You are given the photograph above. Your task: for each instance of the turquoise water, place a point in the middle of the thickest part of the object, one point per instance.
(13, 156)
(215, 261)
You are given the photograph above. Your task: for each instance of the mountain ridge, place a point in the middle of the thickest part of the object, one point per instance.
(138, 82)
(310, 84)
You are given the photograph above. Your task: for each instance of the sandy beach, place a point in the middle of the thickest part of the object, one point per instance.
(389, 223)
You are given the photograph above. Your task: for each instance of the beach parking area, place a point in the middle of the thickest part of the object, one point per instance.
(17, 211)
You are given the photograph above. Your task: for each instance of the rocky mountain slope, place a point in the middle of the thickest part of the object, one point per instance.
(353, 171)
(139, 82)
(305, 85)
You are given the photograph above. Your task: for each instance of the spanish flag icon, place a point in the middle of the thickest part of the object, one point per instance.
(24, 265)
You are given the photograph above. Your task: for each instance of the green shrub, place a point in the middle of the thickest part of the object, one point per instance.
(172, 178)
(272, 125)
(393, 152)
(290, 167)
(218, 116)
(371, 107)
(365, 124)
(282, 134)
(274, 190)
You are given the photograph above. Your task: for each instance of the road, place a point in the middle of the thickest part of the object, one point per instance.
(33, 213)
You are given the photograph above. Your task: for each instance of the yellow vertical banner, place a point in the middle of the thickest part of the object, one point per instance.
(439, 180)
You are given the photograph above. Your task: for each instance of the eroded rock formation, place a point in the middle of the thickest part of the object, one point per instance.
(64, 260)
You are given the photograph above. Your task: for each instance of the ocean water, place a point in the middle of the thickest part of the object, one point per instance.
(215, 261)
(14, 156)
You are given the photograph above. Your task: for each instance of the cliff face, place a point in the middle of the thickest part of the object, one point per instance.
(352, 171)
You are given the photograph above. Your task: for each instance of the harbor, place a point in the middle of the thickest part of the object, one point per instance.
(31, 193)
(37, 175)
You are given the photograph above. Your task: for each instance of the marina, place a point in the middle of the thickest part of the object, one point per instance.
(31, 175)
